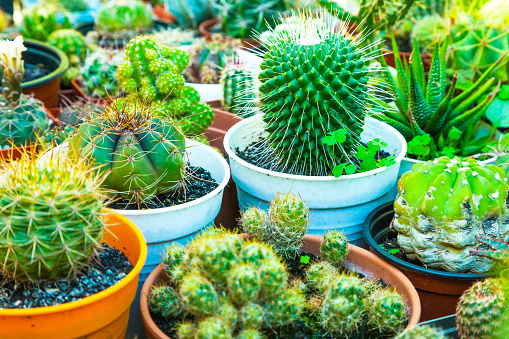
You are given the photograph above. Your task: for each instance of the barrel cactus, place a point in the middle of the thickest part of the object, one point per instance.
(40, 21)
(73, 44)
(443, 205)
(142, 155)
(237, 80)
(334, 247)
(52, 228)
(386, 310)
(123, 19)
(99, 72)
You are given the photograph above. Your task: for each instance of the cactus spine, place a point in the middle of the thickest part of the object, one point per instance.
(99, 73)
(334, 247)
(237, 80)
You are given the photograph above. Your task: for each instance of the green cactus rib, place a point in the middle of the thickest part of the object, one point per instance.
(237, 82)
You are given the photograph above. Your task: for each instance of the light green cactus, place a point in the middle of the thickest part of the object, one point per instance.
(319, 274)
(99, 72)
(334, 247)
(386, 311)
(164, 300)
(123, 19)
(73, 44)
(40, 21)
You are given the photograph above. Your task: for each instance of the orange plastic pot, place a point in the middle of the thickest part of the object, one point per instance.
(103, 315)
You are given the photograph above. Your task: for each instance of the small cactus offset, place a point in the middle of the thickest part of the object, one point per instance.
(73, 44)
(123, 19)
(99, 72)
(40, 21)
(165, 301)
(422, 332)
(237, 79)
(334, 247)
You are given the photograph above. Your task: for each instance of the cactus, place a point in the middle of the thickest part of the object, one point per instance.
(160, 81)
(174, 37)
(482, 310)
(319, 274)
(73, 44)
(386, 311)
(334, 247)
(251, 316)
(56, 136)
(68, 5)
(285, 226)
(22, 118)
(142, 155)
(39, 22)
(443, 205)
(431, 119)
(198, 295)
(237, 98)
(99, 72)
(52, 228)
(427, 30)
(422, 332)
(123, 19)
(74, 114)
(250, 334)
(213, 328)
(164, 300)
(244, 283)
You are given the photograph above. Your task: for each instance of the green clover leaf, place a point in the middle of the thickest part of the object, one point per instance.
(304, 259)
(329, 140)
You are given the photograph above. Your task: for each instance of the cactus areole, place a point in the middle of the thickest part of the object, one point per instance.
(443, 205)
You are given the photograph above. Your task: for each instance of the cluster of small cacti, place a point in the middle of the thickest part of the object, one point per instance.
(142, 155)
(73, 44)
(160, 81)
(443, 205)
(284, 227)
(99, 73)
(39, 22)
(56, 136)
(237, 80)
(54, 229)
(123, 19)
(22, 118)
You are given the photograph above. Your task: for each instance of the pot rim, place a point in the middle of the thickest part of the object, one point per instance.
(402, 264)
(16, 312)
(252, 167)
(57, 73)
(487, 161)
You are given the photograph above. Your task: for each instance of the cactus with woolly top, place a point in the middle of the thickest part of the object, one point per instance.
(123, 19)
(23, 118)
(160, 81)
(237, 80)
(64, 241)
(142, 154)
(443, 205)
(283, 228)
(432, 119)
(73, 44)
(40, 21)
(334, 247)
(422, 332)
(482, 311)
(99, 72)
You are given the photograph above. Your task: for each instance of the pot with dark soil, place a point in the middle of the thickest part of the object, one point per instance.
(63, 256)
(241, 288)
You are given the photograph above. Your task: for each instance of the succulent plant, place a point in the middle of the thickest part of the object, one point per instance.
(386, 311)
(40, 21)
(427, 30)
(56, 135)
(75, 113)
(334, 247)
(237, 80)
(22, 118)
(283, 228)
(174, 36)
(422, 332)
(443, 205)
(319, 274)
(73, 44)
(142, 155)
(482, 310)
(123, 19)
(51, 228)
(99, 73)
(164, 301)
(160, 81)
(429, 117)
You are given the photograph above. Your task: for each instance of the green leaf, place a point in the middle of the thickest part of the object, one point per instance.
(498, 111)
(329, 140)
(368, 164)
(340, 136)
(425, 139)
(304, 259)
(350, 169)
(337, 171)
(454, 134)
(373, 147)
(361, 152)
(503, 93)
(393, 251)
(449, 151)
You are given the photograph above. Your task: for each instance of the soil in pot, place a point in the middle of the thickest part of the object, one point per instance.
(104, 271)
(33, 72)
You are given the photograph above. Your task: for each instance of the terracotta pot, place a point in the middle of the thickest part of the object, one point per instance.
(389, 58)
(161, 13)
(439, 291)
(358, 260)
(45, 88)
(206, 29)
(76, 85)
(102, 315)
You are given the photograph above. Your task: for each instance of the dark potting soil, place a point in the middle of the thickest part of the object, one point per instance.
(198, 183)
(33, 72)
(101, 274)
(259, 153)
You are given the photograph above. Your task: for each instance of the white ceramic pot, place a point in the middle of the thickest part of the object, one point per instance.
(335, 203)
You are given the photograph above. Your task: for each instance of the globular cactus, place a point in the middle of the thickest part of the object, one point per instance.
(51, 216)
(213, 328)
(282, 309)
(237, 80)
(386, 311)
(186, 330)
(227, 312)
(73, 44)
(443, 205)
(285, 226)
(198, 295)
(244, 283)
(250, 334)
(56, 136)
(40, 21)
(251, 316)
(99, 72)
(142, 155)
(75, 113)
(164, 300)
(427, 30)
(482, 310)
(334, 247)
(160, 81)
(123, 19)
(422, 332)
(319, 274)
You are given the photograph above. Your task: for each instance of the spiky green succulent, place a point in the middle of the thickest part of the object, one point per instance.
(237, 80)
(164, 300)
(160, 81)
(422, 332)
(40, 21)
(50, 218)
(285, 225)
(56, 135)
(386, 311)
(497, 250)
(99, 73)
(334, 247)
(142, 154)
(443, 205)
(319, 274)
(73, 44)
(123, 19)
(427, 30)
(74, 114)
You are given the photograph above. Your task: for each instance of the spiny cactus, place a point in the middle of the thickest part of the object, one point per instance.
(428, 109)
(493, 249)
(123, 19)
(174, 36)
(319, 274)
(427, 30)
(56, 136)
(283, 228)
(237, 80)
(213, 328)
(74, 114)
(22, 118)
(334, 247)
(386, 311)
(51, 217)
(165, 301)
(142, 155)
(40, 21)
(160, 81)
(422, 332)
(99, 72)
(482, 310)
(73, 44)
(443, 205)
(250, 334)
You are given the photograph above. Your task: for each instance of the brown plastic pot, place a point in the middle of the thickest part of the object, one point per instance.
(439, 291)
(358, 260)
(389, 58)
(206, 29)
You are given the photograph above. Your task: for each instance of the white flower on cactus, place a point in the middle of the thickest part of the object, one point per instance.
(10, 53)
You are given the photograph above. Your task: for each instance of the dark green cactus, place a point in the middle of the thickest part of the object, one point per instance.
(73, 44)
(99, 72)
(39, 22)
(237, 98)
(123, 19)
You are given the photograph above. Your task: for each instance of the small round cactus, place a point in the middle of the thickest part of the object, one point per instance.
(186, 330)
(98, 73)
(74, 45)
(228, 313)
(199, 295)
(334, 247)
(283, 308)
(250, 334)
(422, 332)
(319, 274)
(255, 222)
(244, 283)
(274, 276)
(164, 300)
(237, 98)
(213, 328)
(173, 258)
(386, 311)
(251, 315)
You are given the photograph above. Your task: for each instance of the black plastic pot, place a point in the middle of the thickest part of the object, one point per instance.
(446, 324)
(439, 291)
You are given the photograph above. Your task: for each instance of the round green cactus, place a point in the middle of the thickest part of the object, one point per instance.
(173, 258)
(40, 21)
(56, 136)
(422, 332)
(282, 309)
(142, 155)
(217, 259)
(443, 205)
(74, 45)
(186, 330)
(51, 216)
(237, 97)
(254, 253)
(334, 247)
(255, 222)
(99, 72)
(386, 311)
(213, 328)
(250, 334)
(251, 316)
(319, 274)
(274, 277)
(199, 295)
(123, 19)
(164, 300)
(228, 313)
(244, 283)
(313, 82)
